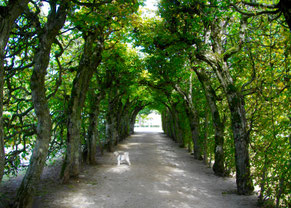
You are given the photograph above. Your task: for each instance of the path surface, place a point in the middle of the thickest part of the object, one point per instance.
(162, 175)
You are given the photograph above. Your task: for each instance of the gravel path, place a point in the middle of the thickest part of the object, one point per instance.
(162, 175)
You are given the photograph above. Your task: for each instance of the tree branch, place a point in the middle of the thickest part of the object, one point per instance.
(255, 4)
(250, 14)
(94, 4)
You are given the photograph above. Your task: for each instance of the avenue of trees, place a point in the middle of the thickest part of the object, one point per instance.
(74, 74)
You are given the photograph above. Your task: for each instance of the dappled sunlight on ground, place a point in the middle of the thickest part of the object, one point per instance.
(77, 200)
(148, 129)
(129, 145)
(162, 175)
(118, 169)
(139, 134)
(174, 170)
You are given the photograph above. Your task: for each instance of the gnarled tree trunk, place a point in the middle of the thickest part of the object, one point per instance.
(56, 20)
(93, 128)
(124, 120)
(194, 126)
(192, 114)
(218, 125)
(133, 117)
(241, 140)
(111, 123)
(89, 62)
(217, 59)
(238, 121)
(178, 130)
(8, 16)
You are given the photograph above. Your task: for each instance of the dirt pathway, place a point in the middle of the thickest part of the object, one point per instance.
(162, 175)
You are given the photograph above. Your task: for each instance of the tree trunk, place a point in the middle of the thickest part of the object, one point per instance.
(172, 128)
(205, 143)
(124, 124)
(119, 113)
(194, 126)
(27, 189)
(193, 117)
(8, 16)
(133, 118)
(239, 128)
(178, 130)
(217, 59)
(89, 62)
(93, 128)
(241, 141)
(218, 125)
(111, 133)
(168, 124)
(164, 122)
(127, 119)
(238, 121)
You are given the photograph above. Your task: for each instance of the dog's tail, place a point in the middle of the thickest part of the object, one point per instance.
(126, 153)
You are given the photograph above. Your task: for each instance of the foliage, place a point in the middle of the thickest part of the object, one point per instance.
(146, 65)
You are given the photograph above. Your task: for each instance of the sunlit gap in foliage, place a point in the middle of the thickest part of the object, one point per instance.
(149, 10)
(148, 121)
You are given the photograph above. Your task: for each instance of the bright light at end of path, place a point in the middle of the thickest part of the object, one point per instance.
(149, 123)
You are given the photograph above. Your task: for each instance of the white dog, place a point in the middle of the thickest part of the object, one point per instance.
(122, 156)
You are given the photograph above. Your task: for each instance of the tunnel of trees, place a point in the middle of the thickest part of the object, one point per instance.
(75, 74)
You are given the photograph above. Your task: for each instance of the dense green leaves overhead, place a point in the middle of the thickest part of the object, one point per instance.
(240, 48)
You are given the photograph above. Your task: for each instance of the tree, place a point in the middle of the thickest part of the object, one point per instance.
(255, 9)
(122, 67)
(164, 44)
(218, 124)
(109, 18)
(47, 35)
(226, 59)
(9, 13)
(216, 55)
(92, 136)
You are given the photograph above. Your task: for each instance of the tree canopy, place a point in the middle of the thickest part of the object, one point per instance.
(75, 74)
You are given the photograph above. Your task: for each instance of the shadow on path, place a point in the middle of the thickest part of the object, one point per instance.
(162, 175)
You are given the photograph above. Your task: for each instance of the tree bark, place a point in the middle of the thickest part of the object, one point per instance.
(178, 130)
(124, 120)
(218, 125)
(205, 142)
(164, 127)
(133, 117)
(111, 122)
(89, 62)
(8, 15)
(194, 126)
(238, 121)
(217, 59)
(119, 113)
(172, 126)
(55, 22)
(93, 128)
(110, 132)
(167, 123)
(241, 140)
(193, 117)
